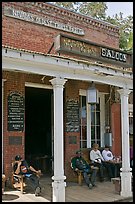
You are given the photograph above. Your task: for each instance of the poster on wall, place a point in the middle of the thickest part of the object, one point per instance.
(15, 112)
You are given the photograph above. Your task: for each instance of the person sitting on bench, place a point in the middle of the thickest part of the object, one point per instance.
(81, 164)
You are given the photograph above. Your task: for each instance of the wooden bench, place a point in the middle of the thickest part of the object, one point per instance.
(86, 156)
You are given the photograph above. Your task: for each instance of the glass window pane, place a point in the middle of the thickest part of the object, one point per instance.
(98, 132)
(92, 132)
(98, 107)
(93, 107)
(97, 118)
(93, 118)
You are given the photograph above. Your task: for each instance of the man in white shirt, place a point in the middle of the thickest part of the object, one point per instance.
(97, 160)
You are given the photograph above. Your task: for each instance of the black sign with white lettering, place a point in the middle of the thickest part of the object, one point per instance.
(112, 54)
(86, 49)
(72, 116)
(15, 112)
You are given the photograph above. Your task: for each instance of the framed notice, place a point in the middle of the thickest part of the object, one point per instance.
(15, 112)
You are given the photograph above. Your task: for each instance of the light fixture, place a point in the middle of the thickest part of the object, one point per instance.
(92, 94)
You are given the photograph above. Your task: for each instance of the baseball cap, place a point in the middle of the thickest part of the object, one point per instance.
(18, 157)
(78, 152)
(107, 146)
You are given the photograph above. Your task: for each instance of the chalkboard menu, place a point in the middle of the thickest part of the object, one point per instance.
(15, 112)
(72, 116)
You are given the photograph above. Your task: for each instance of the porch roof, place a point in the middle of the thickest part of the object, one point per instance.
(65, 67)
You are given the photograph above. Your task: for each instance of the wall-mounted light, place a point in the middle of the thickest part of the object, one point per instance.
(92, 94)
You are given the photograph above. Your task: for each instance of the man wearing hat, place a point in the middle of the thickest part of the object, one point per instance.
(81, 164)
(22, 167)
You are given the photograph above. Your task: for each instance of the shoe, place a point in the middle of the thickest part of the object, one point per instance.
(94, 185)
(90, 186)
(37, 191)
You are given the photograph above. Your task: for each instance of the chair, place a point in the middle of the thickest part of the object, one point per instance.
(17, 181)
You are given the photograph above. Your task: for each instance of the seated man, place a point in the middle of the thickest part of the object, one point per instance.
(21, 167)
(108, 161)
(97, 160)
(81, 164)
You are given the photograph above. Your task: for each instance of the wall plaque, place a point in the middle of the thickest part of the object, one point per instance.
(72, 140)
(15, 112)
(15, 140)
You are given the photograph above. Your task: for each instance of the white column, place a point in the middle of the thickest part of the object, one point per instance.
(126, 174)
(58, 184)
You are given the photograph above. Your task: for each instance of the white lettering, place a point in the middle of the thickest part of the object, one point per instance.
(103, 53)
(47, 22)
(112, 54)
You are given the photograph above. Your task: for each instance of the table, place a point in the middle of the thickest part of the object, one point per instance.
(117, 165)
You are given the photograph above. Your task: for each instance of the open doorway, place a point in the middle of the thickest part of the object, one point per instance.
(38, 128)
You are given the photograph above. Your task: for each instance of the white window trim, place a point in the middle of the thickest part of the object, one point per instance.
(82, 92)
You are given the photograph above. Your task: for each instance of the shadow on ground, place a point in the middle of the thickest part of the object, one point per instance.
(9, 197)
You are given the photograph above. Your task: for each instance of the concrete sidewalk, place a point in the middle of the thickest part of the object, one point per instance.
(16, 196)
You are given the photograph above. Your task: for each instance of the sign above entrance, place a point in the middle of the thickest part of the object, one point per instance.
(87, 49)
(22, 15)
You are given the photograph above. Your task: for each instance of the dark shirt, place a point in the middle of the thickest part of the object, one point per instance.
(81, 164)
(24, 168)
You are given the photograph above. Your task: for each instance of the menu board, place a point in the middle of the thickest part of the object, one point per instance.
(15, 112)
(72, 116)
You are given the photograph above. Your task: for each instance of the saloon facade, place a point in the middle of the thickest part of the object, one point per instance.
(65, 85)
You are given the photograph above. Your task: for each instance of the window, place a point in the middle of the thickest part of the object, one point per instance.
(95, 123)
(83, 122)
(92, 120)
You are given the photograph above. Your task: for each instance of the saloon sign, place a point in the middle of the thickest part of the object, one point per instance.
(114, 55)
(87, 49)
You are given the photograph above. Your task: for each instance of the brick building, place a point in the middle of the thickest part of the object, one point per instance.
(50, 59)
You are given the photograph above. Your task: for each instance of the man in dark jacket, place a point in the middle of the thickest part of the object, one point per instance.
(87, 170)
(22, 167)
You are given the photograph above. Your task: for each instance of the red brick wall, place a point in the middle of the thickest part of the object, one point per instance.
(11, 150)
(30, 36)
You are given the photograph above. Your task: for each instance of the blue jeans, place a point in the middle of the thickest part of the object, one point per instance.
(86, 176)
(32, 181)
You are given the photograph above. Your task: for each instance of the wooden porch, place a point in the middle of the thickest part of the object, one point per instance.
(104, 192)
